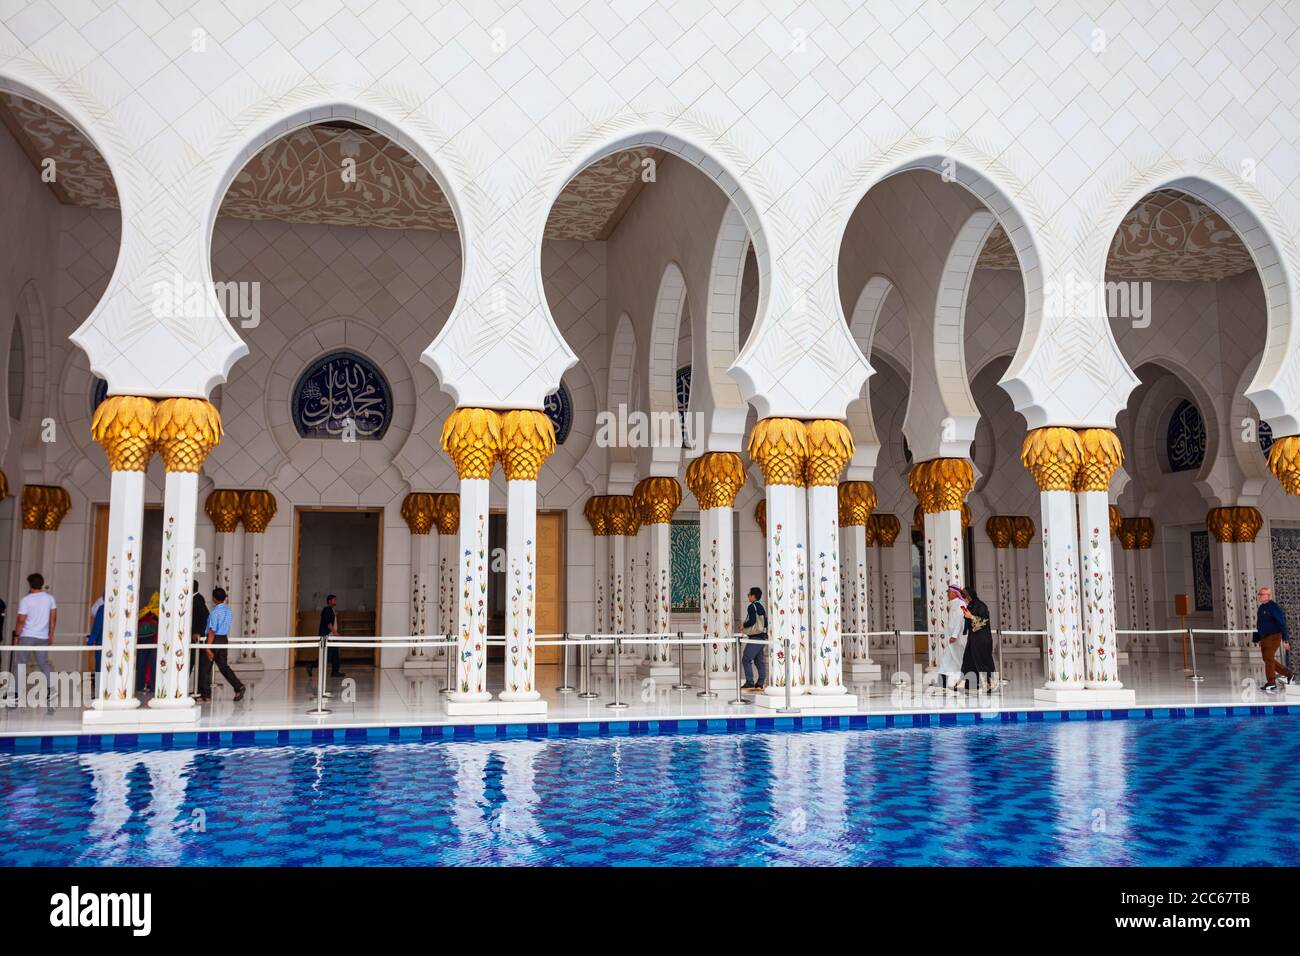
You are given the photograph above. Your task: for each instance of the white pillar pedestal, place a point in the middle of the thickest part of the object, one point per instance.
(116, 687)
(717, 595)
(859, 602)
(658, 599)
(826, 640)
(1064, 650)
(1097, 581)
(786, 588)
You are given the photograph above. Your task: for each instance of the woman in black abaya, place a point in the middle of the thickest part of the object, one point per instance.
(978, 658)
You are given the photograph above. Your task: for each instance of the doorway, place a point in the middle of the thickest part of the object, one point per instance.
(336, 551)
(550, 586)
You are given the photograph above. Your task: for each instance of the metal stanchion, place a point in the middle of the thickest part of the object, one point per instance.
(789, 708)
(1195, 676)
(704, 667)
(1002, 675)
(321, 710)
(740, 696)
(585, 670)
(898, 657)
(451, 658)
(681, 665)
(565, 687)
(617, 703)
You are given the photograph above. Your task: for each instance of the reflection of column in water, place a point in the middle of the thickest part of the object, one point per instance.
(956, 816)
(468, 801)
(167, 781)
(109, 809)
(520, 835)
(829, 821)
(1073, 795)
(793, 802)
(1108, 749)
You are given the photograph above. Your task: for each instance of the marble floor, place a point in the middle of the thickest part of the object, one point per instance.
(369, 696)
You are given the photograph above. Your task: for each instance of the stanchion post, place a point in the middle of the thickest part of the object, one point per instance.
(1195, 676)
(617, 703)
(898, 657)
(321, 710)
(740, 695)
(565, 687)
(681, 665)
(708, 693)
(1002, 675)
(585, 669)
(789, 706)
(451, 663)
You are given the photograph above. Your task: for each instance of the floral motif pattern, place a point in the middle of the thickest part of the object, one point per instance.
(472, 663)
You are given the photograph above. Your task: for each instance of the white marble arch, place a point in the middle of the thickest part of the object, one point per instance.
(862, 326)
(249, 134)
(1013, 207)
(1246, 453)
(1145, 453)
(30, 321)
(715, 394)
(1275, 389)
(620, 400)
(942, 424)
(663, 456)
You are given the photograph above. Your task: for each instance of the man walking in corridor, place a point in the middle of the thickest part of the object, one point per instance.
(1270, 635)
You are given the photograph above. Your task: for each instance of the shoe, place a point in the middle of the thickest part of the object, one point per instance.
(1270, 688)
(239, 694)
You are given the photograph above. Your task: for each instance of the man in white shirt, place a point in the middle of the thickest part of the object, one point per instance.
(38, 617)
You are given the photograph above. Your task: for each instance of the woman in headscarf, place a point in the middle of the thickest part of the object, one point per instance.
(979, 640)
(953, 640)
(146, 632)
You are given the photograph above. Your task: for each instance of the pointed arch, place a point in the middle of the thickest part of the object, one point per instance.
(715, 395)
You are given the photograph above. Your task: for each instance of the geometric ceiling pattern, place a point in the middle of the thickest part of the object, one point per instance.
(1168, 235)
(301, 178)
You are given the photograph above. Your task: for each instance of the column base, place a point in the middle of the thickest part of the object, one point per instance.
(805, 701)
(157, 717)
(253, 665)
(421, 665)
(1085, 695)
(861, 670)
(1238, 653)
(720, 680)
(659, 671)
(494, 708)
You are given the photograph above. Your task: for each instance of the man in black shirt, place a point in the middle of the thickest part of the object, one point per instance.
(329, 626)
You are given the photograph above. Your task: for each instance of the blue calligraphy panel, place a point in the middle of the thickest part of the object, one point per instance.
(684, 550)
(1185, 440)
(1204, 591)
(341, 394)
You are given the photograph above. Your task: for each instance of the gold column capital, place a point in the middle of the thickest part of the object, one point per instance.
(419, 508)
(715, 478)
(594, 512)
(1115, 519)
(184, 431)
(1246, 522)
(620, 515)
(4, 485)
(527, 440)
(656, 498)
(43, 507)
(830, 448)
(887, 528)
(999, 529)
(1284, 462)
(779, 446)
(1022, 531)
(471, 437)
(918, 518)
(1102, 455)
(1219, 523)
(1140, 531)
(224, 507)
(123, 426)
(941, 484)
(447, 512)
(857, 499)
(1127, 534)
(760, 515)
(1053, 456)
(256, 508)
(869, 533)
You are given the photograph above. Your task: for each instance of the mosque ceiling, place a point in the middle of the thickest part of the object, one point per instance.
(298, 178)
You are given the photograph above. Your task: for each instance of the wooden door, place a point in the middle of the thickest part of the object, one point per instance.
(550, 581)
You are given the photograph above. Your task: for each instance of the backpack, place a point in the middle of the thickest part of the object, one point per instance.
(760, 623)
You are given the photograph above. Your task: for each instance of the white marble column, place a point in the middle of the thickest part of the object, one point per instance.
(1026, 576)
(471, 437)
(258, 507)
(176, 593)
(123, 426)
(1102, 455)
(448, 521)
(715, 478)
(856, 501)
(1218, 521)
(419, 509)
(623, 525)
(779, 446)
(659, 598)
(827, 443)
(594, 512)
(1247, 522)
